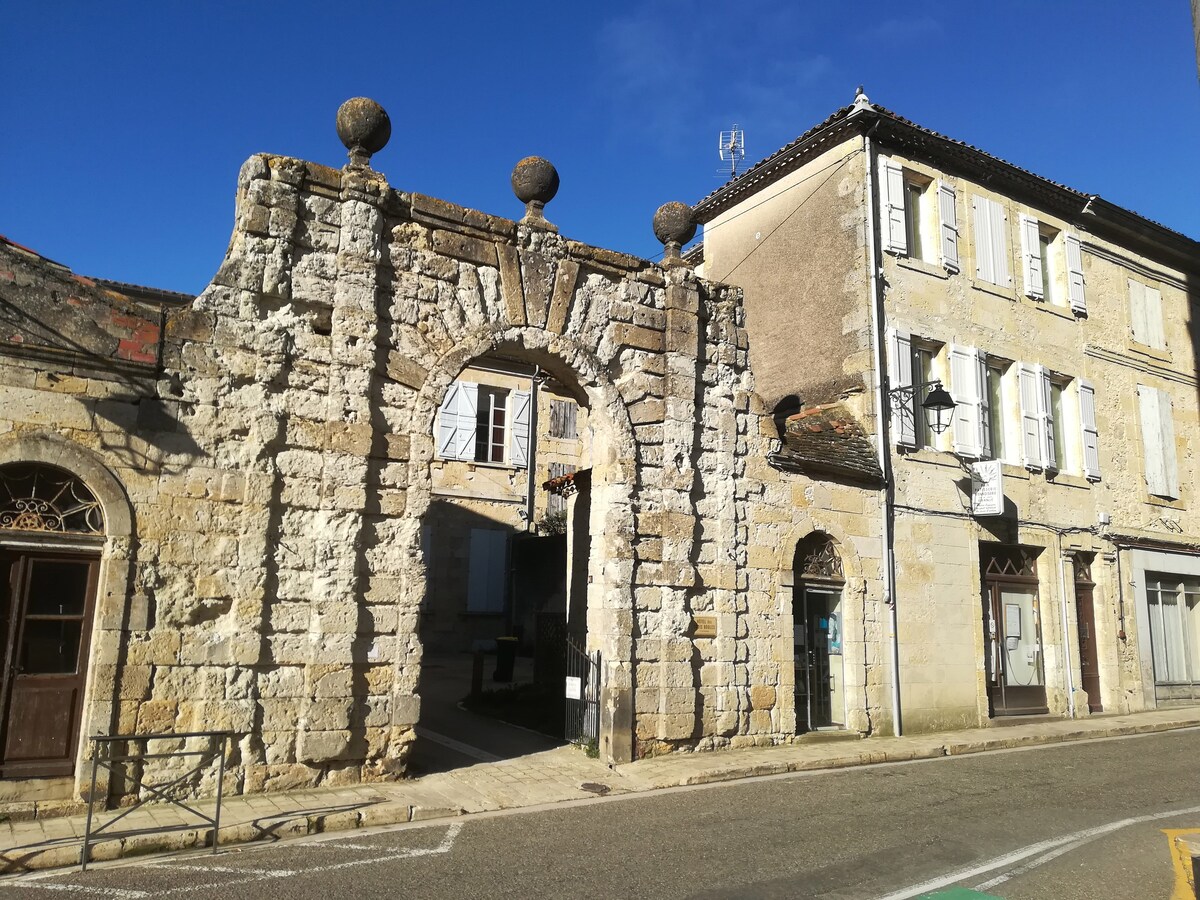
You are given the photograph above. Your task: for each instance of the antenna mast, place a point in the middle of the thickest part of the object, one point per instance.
(731, 146)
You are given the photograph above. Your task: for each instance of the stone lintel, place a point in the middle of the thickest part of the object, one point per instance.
(511, 285)
(560, 301)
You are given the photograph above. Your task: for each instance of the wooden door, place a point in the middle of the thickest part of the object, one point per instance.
(1089, 657)
(47, 614)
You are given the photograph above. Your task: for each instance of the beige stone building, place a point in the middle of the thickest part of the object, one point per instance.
(251, 511)
(1042, 553)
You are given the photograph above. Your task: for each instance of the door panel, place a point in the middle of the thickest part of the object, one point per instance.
(1016, 683)
(49, 623)
(1089, 657)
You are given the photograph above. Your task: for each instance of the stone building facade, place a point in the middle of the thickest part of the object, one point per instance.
(256, 470)
(892, 259)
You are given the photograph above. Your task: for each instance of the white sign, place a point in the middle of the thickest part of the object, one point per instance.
(987, 488)
(574, 688)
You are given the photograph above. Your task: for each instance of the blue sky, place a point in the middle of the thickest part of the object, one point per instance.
(125, 123)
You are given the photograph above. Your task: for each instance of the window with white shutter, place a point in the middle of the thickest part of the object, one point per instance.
(967, 385)
(1031, 258)
(1075, 284)
(891, 211)
(948, 219)
(1052, 455)
(1091, 434)
(468, 421)
(900, 375)
(991, 242)
(1145, 315)
(1158, 442)
(519, 439)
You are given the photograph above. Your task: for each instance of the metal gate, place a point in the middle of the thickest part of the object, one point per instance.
(582, 725)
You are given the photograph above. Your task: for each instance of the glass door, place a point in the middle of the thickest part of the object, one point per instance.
(1016, 676)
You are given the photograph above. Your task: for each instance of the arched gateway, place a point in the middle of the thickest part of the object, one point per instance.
(284, 437)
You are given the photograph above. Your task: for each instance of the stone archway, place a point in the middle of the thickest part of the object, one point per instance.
(610, 587)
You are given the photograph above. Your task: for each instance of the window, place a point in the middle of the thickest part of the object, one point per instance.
(1056, 444)
(910, 223)
(1173, 603)
(1158, 442)
(481, 423)
(914, 219)
(556, 503)
(922, 366)
(991, 242)
(1145, 315)
(912, 363)
(563, 420)
(994, 437)
(489, 425)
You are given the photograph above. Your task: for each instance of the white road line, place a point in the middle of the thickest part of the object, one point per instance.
(1030, 866)
(91, 891)
(272, 873)
(457, 746)
(1016, 856)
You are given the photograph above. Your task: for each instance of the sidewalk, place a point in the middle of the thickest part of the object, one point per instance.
(551, 776)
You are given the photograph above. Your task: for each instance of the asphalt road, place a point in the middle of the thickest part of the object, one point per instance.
(1054, 818)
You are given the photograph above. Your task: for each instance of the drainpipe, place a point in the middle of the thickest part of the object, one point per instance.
(1062, 587)
(883, 429)
(531, 453)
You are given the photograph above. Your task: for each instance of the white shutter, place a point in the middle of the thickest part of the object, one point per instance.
(999, 238)
(968, 389)
(1031, 257)
(900, 375)
(518, 444)
(984, 268)
(891, 213)
(468, 420)
(948, 215)
(1029, 380)
(1170, 465)
(987, 441)
(1091, 434)
(1137, 311)
(1075, 291)
(1154, 319)
(1046, 414)
(1152, 440)
(447, 441)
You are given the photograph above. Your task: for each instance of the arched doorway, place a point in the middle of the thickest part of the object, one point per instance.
(51, 537)
(818, 623)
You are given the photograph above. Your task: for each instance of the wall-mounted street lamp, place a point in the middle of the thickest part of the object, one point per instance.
(938, 404)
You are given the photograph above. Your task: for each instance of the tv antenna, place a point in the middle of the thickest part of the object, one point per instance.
(732, 148)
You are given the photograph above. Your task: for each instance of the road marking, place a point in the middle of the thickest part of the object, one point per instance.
(1009, 859)
(251, 875)
(1181, 859)
(120, 893)
(457, 746)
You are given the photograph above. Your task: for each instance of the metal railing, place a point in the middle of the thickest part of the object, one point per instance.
(146, 791)
(583, 695)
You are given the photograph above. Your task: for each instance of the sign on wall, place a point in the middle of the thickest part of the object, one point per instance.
(987, 488)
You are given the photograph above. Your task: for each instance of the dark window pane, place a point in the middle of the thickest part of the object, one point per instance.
(50, 647)
(57, 588)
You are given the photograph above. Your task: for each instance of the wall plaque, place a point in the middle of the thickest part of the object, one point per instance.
(704, 626)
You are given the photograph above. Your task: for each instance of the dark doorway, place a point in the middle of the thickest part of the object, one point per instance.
(46, 614)
(1089, 657)
(817, 624)
(1013, 630)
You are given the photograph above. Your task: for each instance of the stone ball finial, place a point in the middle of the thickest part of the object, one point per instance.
(535, 182)
(674, 225)
(364, 127)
